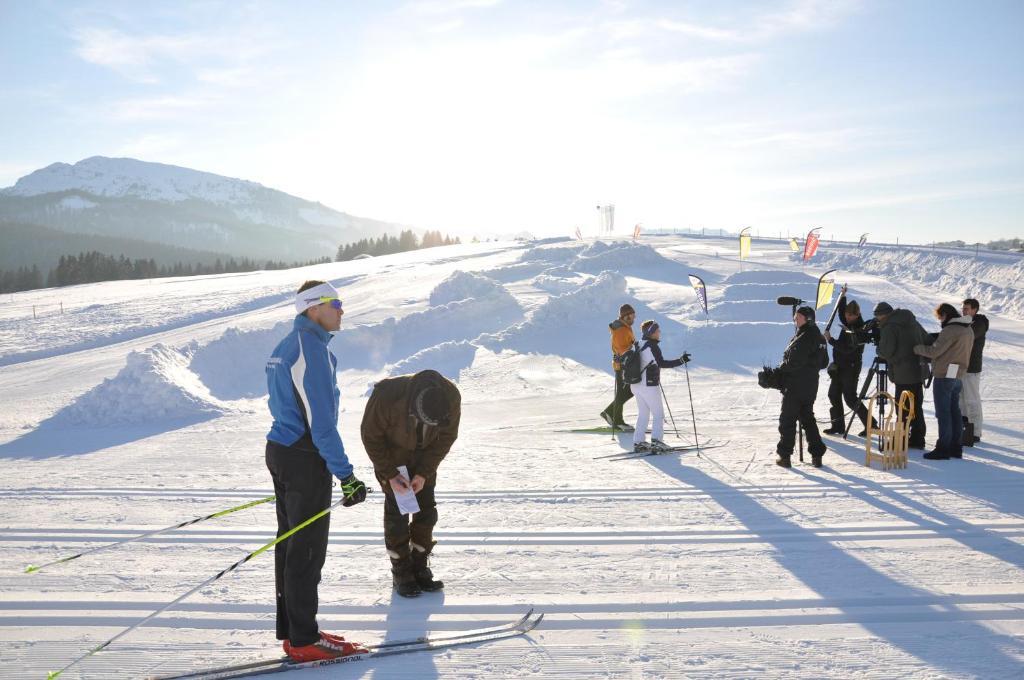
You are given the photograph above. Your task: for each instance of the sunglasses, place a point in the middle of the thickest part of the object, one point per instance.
(334, 302)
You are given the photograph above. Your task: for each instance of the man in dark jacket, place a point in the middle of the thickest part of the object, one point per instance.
(847, 359)
(899, 333)
(970, 397)
(411, 421)
(803, 359)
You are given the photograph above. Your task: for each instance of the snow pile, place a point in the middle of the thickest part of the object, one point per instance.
(488, 308)
(996, 280)
(560, 254)
(467, 286)
(232, 366)
(618, 256)
(557, 285)
(155, 385)
(447, 358)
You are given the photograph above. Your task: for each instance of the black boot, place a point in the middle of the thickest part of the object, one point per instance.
(403, 577)
(968, 436)
(816, 461)
(783, 461)
(421, 571)
(835, 429)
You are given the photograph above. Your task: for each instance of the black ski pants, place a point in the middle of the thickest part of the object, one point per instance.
(622, 394)
(844, 388)
(400, 530)
(917, 426)
(798, 407)
(303, 488)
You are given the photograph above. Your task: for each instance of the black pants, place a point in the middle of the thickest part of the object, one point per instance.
(844, 388)
(622, 395)
(798, 406)
(400, 531)
(917, 427)
(303, 488)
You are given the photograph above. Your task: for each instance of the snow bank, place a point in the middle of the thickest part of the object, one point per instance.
(155, 385)
(448, 358)
(995, 280)
(558, 285)
(232, 366)
(488, 308)
(468, 285)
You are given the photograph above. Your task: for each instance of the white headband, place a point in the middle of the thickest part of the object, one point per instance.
(311, 296)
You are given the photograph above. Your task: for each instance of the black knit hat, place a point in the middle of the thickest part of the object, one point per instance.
(430, 405)
(626, 309)
(883, 308)
(807, 312)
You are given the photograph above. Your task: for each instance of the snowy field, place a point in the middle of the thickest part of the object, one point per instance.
(143, 405)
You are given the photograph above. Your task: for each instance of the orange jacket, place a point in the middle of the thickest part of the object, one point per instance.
(622, 339)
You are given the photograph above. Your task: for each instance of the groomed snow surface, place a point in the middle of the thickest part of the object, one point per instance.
(144, 405)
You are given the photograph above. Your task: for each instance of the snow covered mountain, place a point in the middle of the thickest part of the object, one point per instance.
(181, 207)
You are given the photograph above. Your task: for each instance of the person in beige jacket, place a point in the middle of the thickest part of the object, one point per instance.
(950, 355)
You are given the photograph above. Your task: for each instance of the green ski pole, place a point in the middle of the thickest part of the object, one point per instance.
(32, 568)
(53, 674)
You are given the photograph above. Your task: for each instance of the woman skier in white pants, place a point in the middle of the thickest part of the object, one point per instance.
(648, 390)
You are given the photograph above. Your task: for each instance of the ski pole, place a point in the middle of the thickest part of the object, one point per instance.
(693, 413)
(53, 674)
(669, 409)
(32, 568)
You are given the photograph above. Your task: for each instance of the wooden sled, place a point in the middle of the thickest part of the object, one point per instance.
(894, 432)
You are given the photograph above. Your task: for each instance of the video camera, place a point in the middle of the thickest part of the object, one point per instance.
(870, 332)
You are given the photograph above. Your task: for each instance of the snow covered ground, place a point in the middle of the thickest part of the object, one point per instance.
(142, 406)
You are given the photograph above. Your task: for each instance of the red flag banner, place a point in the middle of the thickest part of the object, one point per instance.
(636, 231)
(811, 244)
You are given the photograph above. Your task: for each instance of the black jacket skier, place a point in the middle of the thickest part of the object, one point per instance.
(847, 359)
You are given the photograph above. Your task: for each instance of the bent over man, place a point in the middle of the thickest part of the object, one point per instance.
(411, 421)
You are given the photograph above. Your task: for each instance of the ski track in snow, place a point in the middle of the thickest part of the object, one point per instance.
(679, 566)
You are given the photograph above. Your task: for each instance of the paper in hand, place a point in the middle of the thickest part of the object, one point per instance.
(407, 503)
(952, 370)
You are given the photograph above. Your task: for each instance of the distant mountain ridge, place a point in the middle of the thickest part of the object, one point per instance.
(181, 207)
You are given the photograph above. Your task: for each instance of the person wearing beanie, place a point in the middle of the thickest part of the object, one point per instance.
(951, 357)
(898, 333)
(622, 339)
(970, 397)
(803, 359)
(847, 361)
(411, 421)
(303, 451)
(648, 390)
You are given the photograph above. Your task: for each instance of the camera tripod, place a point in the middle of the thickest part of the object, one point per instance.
(881, 381)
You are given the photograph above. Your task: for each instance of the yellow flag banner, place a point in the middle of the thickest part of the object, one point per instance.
(826, 288)
(794, 246)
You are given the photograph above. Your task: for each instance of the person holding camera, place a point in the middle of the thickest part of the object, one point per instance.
(970, 397)
(951, 356)
(898, 333)
(847, 359)
(803, 359)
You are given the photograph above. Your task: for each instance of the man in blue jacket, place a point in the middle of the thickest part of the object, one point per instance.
(303, 450)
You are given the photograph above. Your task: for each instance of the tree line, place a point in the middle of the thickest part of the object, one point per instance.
(387, 245)
(94, 266)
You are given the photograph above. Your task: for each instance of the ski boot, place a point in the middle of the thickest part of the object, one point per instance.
(658, 446)
(327, 647)
(641, 447)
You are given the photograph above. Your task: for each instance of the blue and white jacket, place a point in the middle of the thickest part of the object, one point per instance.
(304, 395)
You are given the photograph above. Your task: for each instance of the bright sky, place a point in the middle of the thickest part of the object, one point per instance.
(895, 118)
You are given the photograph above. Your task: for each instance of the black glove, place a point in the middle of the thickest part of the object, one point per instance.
(685, 358)
(353, 490)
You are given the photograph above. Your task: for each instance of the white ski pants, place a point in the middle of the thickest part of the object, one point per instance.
(648, 403)
(970, 400)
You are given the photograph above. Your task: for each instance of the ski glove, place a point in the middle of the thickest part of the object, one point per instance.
(685, 358)
(353, 490)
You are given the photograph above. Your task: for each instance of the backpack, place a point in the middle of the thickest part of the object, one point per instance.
(632, 364)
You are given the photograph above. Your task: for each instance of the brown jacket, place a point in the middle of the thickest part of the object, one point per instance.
(953, 346)
(389, 429)
(622, 339)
